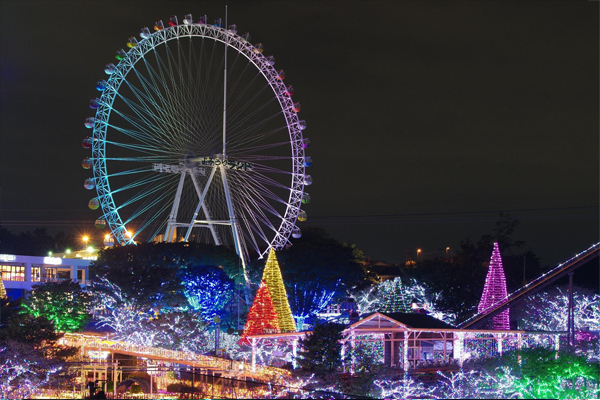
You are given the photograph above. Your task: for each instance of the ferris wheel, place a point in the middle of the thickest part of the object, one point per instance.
(196, 138)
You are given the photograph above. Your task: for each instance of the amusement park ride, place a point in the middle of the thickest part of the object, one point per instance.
(196, 137)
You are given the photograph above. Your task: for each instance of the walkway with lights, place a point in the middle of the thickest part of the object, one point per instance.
(95, 343)
(535, 285)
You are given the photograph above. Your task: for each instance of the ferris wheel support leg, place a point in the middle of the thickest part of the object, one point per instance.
(173, 216)
(201, 196)
(234, 228)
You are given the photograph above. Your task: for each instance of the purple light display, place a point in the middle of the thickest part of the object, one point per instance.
(495, 290)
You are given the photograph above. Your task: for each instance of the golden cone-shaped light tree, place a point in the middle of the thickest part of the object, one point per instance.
(273, 279)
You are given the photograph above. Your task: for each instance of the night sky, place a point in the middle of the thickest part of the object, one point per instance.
(426, 118)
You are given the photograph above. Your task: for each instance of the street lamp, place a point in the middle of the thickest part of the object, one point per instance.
(418, 252)
(448, 249)
(85, 241)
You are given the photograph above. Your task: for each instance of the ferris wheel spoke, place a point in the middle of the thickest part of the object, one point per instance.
(142, 121)
(129, 172)
(253, 229)
(140, 182)
(160, 189)
(257, 150)
(143, 159)
(250, 134)
(142, 135)
(258, 197)
(150, 217)
(141, 148)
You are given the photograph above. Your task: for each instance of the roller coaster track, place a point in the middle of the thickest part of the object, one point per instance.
(532, 287)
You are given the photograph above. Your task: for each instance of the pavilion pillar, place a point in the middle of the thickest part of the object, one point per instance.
(499, 343)
(458, 347)
(295, 353)
(405, 352)
(253, 354)
(445, 344)
(352, 355)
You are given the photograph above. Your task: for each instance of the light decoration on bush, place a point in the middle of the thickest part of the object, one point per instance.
(407, 388)
(129, 320)
(547, 311)
(369, 300)
(310, 302)
(272, 278)
(494, 290)
(262, 317)
(208, 293)
(24, 370)
(391, 293)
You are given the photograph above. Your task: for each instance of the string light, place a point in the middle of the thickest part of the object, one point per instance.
(262, 317)
(495, 290)
(272, 278)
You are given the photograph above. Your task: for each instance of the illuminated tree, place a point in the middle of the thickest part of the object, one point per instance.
(207, 290)
(262, 317)
(138, 324)
(308, 303)
(64, 303)
(540, 373)
(30, 356)
(548, 310)
(494, 290)
(272, 278)
(321, 350)
(392, 296)
(150, 272)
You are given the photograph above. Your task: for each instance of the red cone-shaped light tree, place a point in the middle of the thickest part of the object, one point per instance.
(495, 290)
(262, 317)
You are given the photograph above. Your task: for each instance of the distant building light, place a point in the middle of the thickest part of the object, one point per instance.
(7, 257)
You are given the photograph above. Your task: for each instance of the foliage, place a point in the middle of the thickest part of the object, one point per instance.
(64, 303)
(369, 300)
(321, 350)
(35, 243)
(30, 356)
(392, 296)
(540, 373)
(207, 289)
(307, 304)
(136, 323)
(149, 272)
(407, 388)
(547, 311)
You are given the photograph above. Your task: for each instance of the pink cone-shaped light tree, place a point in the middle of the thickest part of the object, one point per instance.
(495, 290)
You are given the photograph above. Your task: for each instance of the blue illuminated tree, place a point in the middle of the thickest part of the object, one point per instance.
(207, 290)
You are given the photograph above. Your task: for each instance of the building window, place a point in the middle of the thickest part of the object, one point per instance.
(13, 272)
(35, 274)
(81, 275)
(54, 274)
(63, 273)
(48, 274)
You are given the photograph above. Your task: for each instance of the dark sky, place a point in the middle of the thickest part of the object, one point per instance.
(426, 118)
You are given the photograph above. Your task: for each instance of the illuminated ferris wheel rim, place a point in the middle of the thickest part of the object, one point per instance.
(254, 55)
